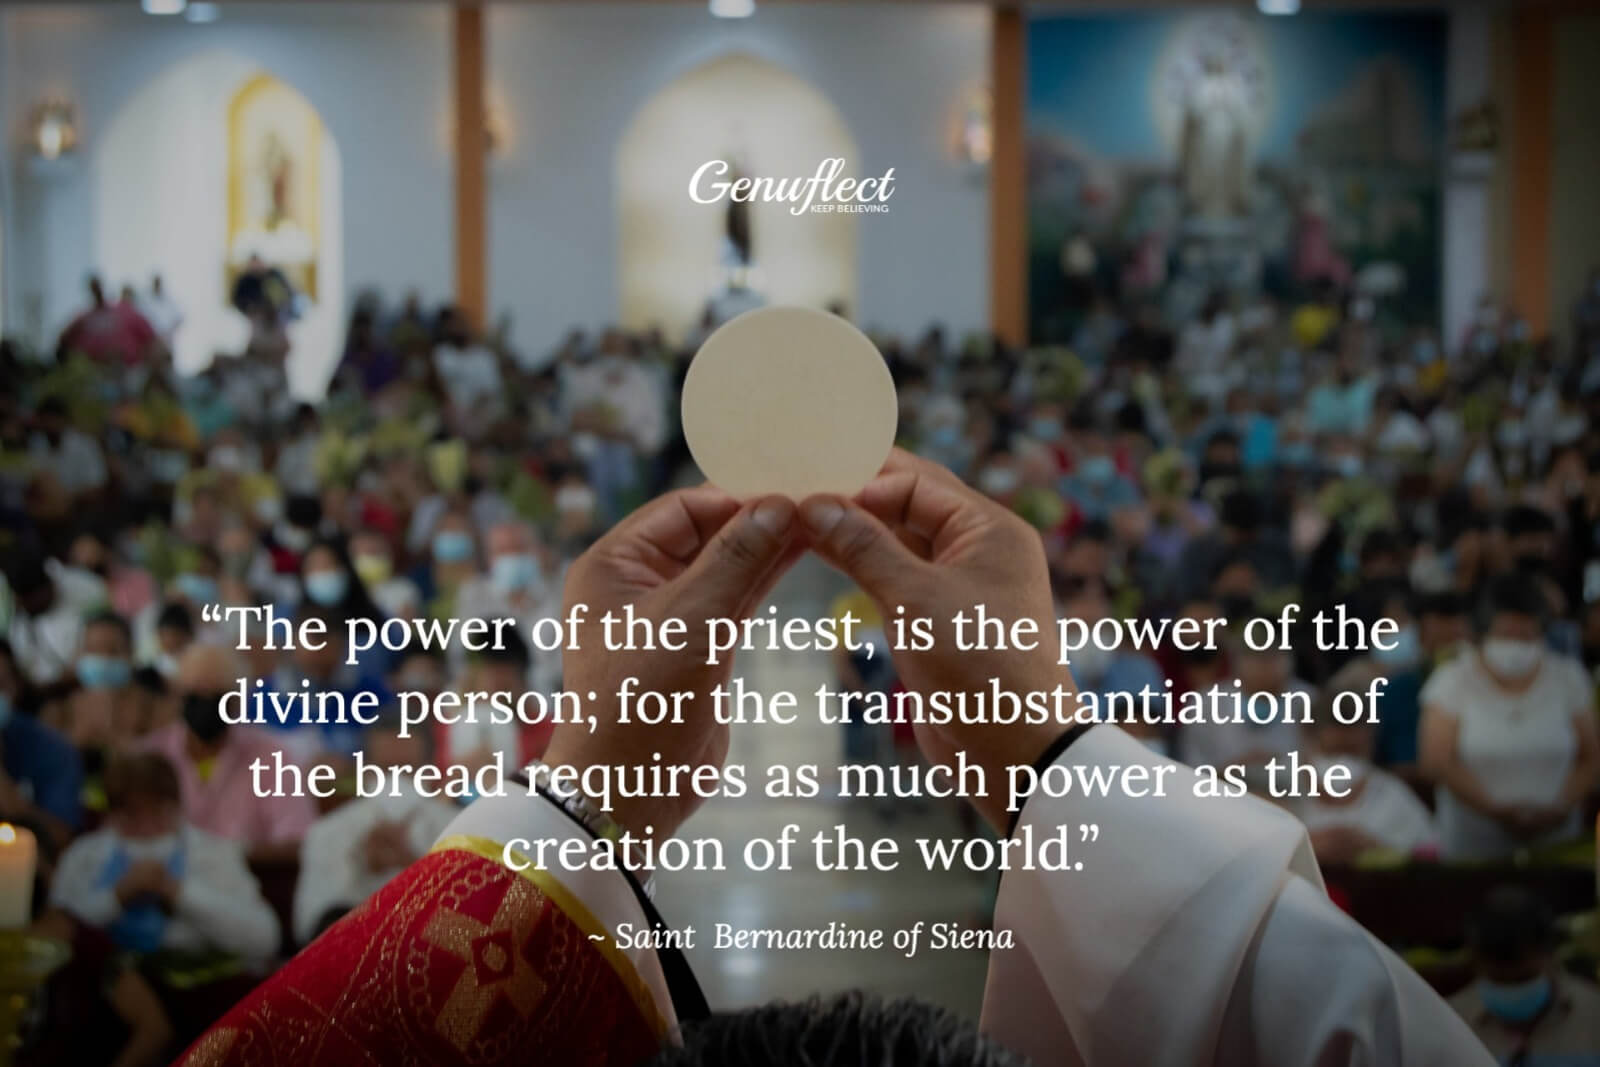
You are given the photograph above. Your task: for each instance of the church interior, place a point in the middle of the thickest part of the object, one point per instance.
(382, 310)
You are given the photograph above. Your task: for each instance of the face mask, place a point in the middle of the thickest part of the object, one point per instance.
(452, 546)
(1089, 663)
(327, 587)
(1098, 470)
(103, 672)
(998, 481)
(197, 588)
(945, 437)
(1347, 465)
(516, 571)
(202, 713)
(1044, 429)
(1511, 659)
(292, 537)
(575, 498)
(1519, 1003)
(1425, 351)
(166, 664)
(1297, 454)
(373, 569)
(1407, 650)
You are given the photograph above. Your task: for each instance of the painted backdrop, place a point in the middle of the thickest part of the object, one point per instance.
(1175, 155)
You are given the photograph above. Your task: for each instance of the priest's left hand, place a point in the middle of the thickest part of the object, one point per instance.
(694, 555)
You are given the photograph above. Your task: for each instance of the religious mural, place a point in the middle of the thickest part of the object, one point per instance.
(1176, 156)
(274, 182)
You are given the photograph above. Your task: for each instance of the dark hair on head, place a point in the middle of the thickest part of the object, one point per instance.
(110, 618)
(151, 681)
(1511, 594)
(1511, 925)
(26, 573)
(511, 649)
(303, 510)
(1096, 530)
(136, 775)
(1447, 602)
(1222, 436)
(1525, 519)
(852, 1029)
(1241, 510)
(175, 616)
(1382, 541)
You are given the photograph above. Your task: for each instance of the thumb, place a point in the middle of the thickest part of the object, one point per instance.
(740, 555)
(853, 539)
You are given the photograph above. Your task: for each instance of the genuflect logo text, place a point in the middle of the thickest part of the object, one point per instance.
(825, 191)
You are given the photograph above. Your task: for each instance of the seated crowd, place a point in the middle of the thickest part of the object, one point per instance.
(1311, 451)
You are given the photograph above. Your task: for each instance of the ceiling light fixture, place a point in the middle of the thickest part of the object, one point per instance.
(733, 9)
(1277, 7)
(163, 7)
(202, 12)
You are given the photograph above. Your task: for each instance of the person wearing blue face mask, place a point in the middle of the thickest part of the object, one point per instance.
(452, 560)
(516, 586)
(152, 882)
(1095, 487)
(1523, 1007)
(103, 665)
(330, 586)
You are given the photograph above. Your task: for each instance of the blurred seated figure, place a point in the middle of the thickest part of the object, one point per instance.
(372, 556)
(155, 883)
(212, 760)
(351, 852)
(1509, 733)
(40, 773)
(1524, 1007)
(47, 606)
(104, 711)
(1264, 673)
(1438, 634)
(98, 1008)
(1381, 811)
(516, 586)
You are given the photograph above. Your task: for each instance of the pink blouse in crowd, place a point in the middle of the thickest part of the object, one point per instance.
(223, 800)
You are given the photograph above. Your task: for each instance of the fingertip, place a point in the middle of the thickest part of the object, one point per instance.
(774, 514)
(822, 513)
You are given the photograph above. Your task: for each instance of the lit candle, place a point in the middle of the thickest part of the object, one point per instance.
(19, 853)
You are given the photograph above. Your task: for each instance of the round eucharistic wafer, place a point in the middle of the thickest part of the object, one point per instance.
(789, 400)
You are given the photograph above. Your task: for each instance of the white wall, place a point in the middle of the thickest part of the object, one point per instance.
(565, 79)
(379, 75)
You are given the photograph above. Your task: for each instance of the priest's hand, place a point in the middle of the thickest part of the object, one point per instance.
(694, 555)
(916, 537)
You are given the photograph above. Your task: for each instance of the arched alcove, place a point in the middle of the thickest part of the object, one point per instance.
(765, 122)
(212, 159)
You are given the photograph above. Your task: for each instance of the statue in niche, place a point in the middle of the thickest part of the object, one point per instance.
(736, 227)
(1214, 157)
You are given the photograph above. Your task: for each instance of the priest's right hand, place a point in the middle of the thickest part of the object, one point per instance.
(694, 554)
(918, 538)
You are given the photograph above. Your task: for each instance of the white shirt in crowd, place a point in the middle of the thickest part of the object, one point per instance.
(333, 868)
(470, 375)
(219, 905)
(1218, 744)
(46, 645)
(75, 461)
(1383, 808)
(1520, 746)
(163, 314)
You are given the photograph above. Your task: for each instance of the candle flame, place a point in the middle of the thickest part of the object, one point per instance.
(8, 833)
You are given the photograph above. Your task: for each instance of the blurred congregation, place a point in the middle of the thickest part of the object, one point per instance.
(1199, 423)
